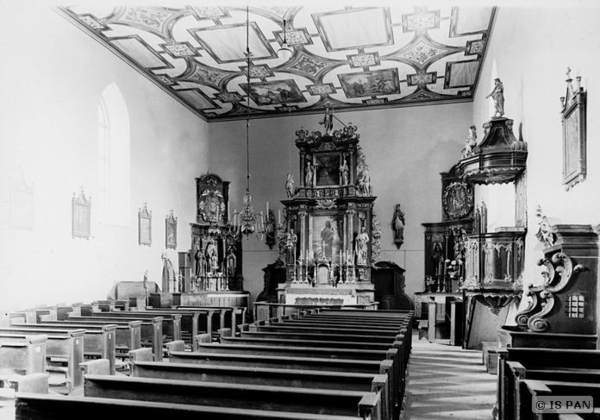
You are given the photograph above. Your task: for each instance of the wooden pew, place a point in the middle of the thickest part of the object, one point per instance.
(246, 338)
(128, 333)
(362, 333)
(62, 345)
(22, 354)
(151, 330)
(23, 363)
(353, 324)
(247, 396)
(386, 367)
(229, 316)
(297, 351)
(171, 322)
(318, 352)
(190, 321)
(514, 363)
(52, 407)
(99, 340)
(350, 381)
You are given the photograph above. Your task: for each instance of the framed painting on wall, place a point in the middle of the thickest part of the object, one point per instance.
(171, 231)
(81, 208)
(145, 226)
(574, 133)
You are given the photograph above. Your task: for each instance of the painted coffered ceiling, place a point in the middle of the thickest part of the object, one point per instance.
(344, 58)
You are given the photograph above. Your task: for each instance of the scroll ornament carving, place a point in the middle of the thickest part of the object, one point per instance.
(522, 318)
(536, 322)
(559, 271)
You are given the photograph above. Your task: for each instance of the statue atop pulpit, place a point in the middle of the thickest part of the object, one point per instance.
(330, 218)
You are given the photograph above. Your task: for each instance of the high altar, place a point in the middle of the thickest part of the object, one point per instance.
(327, 240)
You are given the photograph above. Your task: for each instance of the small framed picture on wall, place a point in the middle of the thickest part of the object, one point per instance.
(145, 226)
(171, 231)
(574, 132)
(81, 209)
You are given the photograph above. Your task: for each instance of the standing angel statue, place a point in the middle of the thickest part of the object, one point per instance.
(498, 96)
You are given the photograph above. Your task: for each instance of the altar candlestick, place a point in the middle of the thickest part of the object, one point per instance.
(228, 215)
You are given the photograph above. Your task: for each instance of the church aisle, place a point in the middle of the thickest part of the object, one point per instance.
(446, 382)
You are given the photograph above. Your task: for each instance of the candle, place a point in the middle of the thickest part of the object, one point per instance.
(279, 215)
(267, 209)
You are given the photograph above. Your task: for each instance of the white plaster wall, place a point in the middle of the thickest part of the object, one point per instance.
(51, 80)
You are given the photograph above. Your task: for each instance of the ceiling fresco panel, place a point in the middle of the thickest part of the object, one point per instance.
(195, 98)
(461, 73)
(343, 57)
(469, 20)
(140, 52)
(352, 29)
(227, 44)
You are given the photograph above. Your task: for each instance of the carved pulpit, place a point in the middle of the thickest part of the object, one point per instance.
(327, 232)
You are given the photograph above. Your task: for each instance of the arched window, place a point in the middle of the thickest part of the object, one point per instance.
(113, 157)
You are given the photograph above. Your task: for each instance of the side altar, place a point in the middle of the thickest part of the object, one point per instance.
(326, 244)
(212, 269)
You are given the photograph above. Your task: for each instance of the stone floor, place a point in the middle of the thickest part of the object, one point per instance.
(447, 382)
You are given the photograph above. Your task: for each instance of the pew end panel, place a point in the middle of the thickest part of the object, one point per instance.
(177, 345)
(144, 354)
(96, 367)
(36, 383)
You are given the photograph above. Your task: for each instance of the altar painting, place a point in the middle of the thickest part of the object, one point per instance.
(327, 237)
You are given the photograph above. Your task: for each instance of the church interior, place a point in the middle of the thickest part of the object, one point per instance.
(300, 211)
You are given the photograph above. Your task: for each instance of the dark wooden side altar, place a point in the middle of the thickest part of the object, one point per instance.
(212, 268)
(328, 222)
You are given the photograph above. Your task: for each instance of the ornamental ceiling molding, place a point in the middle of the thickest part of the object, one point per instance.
(347, 58)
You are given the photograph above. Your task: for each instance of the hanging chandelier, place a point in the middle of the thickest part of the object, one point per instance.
(247, 221)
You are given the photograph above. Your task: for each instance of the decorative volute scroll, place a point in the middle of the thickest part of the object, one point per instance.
(498, 159)
(571, 271)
